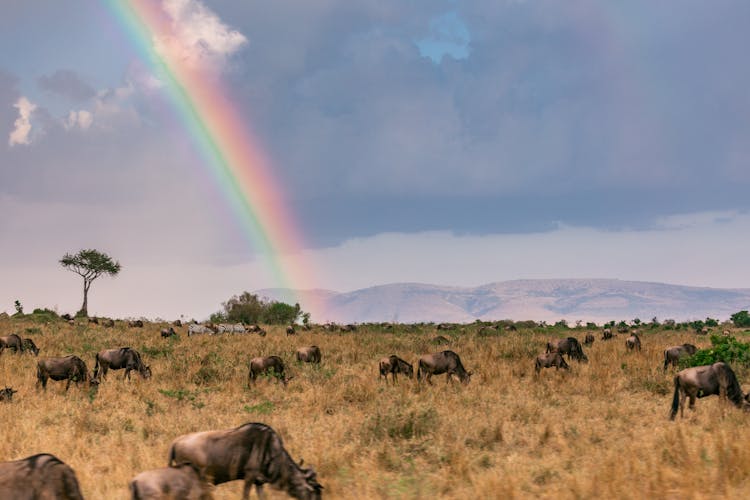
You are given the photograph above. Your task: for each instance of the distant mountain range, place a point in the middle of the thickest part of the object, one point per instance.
(597, 300)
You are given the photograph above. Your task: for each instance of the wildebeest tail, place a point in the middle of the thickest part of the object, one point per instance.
(172, 455)
(135, 495)
(675, 398)
(419, 370)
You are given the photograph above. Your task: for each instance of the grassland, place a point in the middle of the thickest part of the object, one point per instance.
(601, 430)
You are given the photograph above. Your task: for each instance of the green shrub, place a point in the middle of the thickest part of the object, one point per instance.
(741, 319)
(726, 349)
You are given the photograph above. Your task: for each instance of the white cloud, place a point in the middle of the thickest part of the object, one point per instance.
(198, 36)
(81, 119)
(22, 125)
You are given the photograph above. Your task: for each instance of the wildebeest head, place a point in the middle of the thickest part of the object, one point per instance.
(29, 345)
(7, 394)
(304, 484)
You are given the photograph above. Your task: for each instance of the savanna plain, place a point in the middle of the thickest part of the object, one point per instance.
(599, 431)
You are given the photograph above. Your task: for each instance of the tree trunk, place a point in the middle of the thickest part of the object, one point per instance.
(84, 308)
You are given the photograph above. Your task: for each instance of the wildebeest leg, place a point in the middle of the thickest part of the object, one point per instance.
(683, 396)
(258, 491)
(67, 386)
(429, 378)
(127, 373)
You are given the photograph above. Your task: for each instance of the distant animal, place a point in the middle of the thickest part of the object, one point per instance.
(569, 346)
(290, 330)
(194, 329)
(440, 340)
(7, 394)
(253, 452)
(349, 328)
(117, 359)
(447, 362)
(236, 328)
(168, 332)
(177, 322)
(11, 341)
(394, 365)
(702, 381)
(331, 327)
(181, 482)
(633, 343)
(108, 323)
(606, 334)
(70, 368)
(66, 317)
(42, 477)
(94, 320)
(588, 339)
(550, 359)
(257, 329)
(445, 326)
(673, 354)
(135, 323)
(272, 365)
(30, 346)
(309, 354)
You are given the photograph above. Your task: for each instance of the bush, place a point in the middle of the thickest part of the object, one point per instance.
(726, 349)
(741, 319)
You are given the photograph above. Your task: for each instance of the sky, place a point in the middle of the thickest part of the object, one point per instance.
(447, 142)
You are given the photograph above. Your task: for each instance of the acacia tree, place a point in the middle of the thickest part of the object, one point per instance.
(89, 264)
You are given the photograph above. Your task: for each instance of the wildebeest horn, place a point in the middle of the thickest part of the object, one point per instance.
(301, 461)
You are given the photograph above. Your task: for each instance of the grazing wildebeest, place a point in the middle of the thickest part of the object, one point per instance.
(394, 365)
(177, 322)
(70, 368)
(550, 359)
(38, 477)
(290, 330)
(588, 339)
(135, 323)
(569, 346)
(272, 365)
(117, 359)
(702, 381)
(182, 482)
(108, 323)
(446, 362)
(7, 394)
(673, 354)
(309, 354)
(633, 343)
(11, 341)
(607, 334)
(30, 346)
(253, 452)
(168, 332)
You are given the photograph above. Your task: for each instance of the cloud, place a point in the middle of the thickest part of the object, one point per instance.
(68, 84)
(79, 119)
(198, 36)
(22, 125)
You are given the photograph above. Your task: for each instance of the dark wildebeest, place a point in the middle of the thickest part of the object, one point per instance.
(394, 365)
(633, 343)
(588, 339)
(11, 341)
(177, 322)
(253, 452)
(349, 328)
(550, 359)
(607, 334)
(182, 482)
(70, 368)
(446, 362)
(309, 354)
(117, 359)
(38, 477)
(290, 330)
(569, 346)
(702, 381)
(67, 317)
(272, 365)
(673, 354)
(94, 320)
(7, 394)
(168, 332)
(108, 323)
(30, 346)
(135, 323)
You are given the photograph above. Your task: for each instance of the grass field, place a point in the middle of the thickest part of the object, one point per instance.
(601, 430)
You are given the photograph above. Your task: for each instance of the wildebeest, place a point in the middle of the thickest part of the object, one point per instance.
(702, 381)
(108, 323)
(440, 340)
(42, 477)
(182, 482)
(569, 346)
(394, 365)
(272, 365)
(633, 343)
(94, 320)
(168, 332)
(606, 334)
(11, 341)
(66, 317)
(550, 359)
(588, 339)
(446, 326)
(7, 394)
(70, 368)
(135, 323)
(309, 354)
(194, 329)
(446, 362)
(177, 322)
(253, 452)
(349, 328)
(257, 329)
(290, 330)
(117, 359)
(673, 354)
(29, 346)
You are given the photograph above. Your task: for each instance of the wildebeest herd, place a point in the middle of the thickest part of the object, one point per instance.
(254, 452)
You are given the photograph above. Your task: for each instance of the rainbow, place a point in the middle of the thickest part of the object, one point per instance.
(224, 141)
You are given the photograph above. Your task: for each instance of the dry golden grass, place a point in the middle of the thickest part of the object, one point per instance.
(600, 431)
